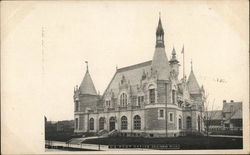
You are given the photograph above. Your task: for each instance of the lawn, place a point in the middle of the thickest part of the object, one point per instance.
(187, 143)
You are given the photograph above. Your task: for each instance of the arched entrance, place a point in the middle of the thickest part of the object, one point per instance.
(111, 123)
(189, 123)
(101, 123)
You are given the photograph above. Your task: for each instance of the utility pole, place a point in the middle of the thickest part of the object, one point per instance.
(166, 112)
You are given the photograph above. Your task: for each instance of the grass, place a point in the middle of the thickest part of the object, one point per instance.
(188, 143)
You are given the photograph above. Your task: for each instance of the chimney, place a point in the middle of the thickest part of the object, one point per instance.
(224, 101)
(232, 101)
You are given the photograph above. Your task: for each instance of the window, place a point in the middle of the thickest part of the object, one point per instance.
(124, 123)
(123, 99)
(171, 117)
(180, 123)
(137, 122)
(140, 100)
(108, 103)
(189, 123)
(151, 95)
(173, 96)
(101, 123)
(76, 123)
(161, 114)
(91, 124)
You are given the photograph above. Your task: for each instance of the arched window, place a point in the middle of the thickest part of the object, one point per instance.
(180, 123)
(137, 122)
(124, 123)
(151, 94)
(189, 122)
(123, 100)
(101, 123)
(91, 124)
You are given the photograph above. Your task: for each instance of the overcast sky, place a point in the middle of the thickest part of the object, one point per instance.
(110, 34)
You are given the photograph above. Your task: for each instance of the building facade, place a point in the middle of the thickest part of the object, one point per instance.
(229, 118)
(147, 99)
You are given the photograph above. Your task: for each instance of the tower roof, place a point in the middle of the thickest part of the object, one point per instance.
(159, 30)
(174, 59)
(192, 83)
(87, 85)
(160, 64)
(160, 61)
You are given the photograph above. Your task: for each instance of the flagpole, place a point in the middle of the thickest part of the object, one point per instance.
(183, 62)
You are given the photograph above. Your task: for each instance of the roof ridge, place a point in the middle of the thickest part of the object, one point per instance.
(134, 66)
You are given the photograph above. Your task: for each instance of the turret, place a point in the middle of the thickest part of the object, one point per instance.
(174, 64)
(160, 64)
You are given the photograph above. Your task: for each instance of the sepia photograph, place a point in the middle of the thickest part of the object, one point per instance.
(125, 77)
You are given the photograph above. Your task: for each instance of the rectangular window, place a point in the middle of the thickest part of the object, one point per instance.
(152, 95)
(76, 123)
(171, 117)
(173, 96)
(161, 113)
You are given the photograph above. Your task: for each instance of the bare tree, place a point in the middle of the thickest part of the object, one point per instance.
(208, 116)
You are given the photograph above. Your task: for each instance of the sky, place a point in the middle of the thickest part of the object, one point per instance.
(40, 79)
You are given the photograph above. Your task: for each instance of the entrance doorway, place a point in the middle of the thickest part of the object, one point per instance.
(111, 123)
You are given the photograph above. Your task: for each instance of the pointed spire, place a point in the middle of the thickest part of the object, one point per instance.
(160, 63)
(192, 82)
(160, 34)
(87, 85)
(173, 59)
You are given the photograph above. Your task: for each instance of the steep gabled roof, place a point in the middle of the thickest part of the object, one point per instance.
(87, 85)
(131, 73)
(235, 108)
(192, 83)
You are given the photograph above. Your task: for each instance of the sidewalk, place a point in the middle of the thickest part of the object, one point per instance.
(227, 136)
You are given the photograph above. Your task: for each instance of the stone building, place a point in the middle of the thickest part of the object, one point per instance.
(146, 99)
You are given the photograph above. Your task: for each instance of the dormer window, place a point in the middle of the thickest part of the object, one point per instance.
(140, 100)
(108, 104)
(123, 100)
(151, 96)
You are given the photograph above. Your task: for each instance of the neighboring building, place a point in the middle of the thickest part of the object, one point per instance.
(229, 118)
(65, 126)
(146, 99)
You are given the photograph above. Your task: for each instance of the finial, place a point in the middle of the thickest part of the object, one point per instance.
(173, 52)
(191, 65)
(87, 65)
(160, 14)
